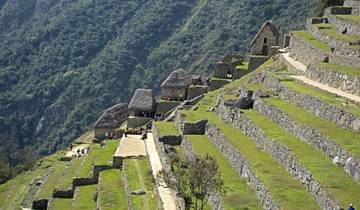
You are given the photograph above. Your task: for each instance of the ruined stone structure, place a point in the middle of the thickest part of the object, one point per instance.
(111, 119)
(142, 108)
(176, 85)
(265, 39)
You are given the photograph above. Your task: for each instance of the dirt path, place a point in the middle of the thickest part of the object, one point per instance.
(327, 88)
(145, 200)
(296, 64)
(165, 192)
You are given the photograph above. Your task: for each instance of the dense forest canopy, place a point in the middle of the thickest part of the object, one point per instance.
(63, 61)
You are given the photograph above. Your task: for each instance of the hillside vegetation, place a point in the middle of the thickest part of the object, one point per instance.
(62, 62)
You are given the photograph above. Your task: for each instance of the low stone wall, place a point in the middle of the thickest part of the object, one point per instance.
(305, 52)
(331, 41)
(195, 91)
(165, 106)
(214, 200)
(355, 4)
(77, 181)
(64, 193)
(337, 10)
(346, 56)
(256, 61)
(135, 122)
(217, 83)
(311, 136)
(279, 153)
(98, 168)
(196, 128)
(240, 165)
(118, 162)
(40, 204)
(342, 24)
(336, 79)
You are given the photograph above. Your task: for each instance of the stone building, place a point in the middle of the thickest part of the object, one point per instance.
(111, 119)
(265, 39)
(226, 67)
(142, 108)
(175, 87)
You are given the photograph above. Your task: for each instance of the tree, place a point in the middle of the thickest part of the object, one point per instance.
(195, 179)
(323, 4)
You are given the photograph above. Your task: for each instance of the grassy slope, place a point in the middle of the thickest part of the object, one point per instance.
(108, 151)
(84, 198)
(61, 204)
(329, 30)
(353, 18)
(167, 129)
(332, 177)
(343, 137)
(138, 178)
(111, 194)
(342, 69)
(67, 179)
(287, 192)
(325, 96)
(86, 168)
(238, 193)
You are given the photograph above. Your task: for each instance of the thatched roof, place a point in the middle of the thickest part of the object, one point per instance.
(272, 28)
(178, 79)
(142, 100)
(112, 117)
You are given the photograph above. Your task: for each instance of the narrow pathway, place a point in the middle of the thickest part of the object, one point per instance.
(296, 64)
(165, 192)
(327, 88)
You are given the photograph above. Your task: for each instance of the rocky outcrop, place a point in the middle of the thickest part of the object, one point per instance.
(311, 136)
(279, 153)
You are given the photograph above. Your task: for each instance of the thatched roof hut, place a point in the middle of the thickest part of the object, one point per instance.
(112, 117)
(142, 101)
(177, 79)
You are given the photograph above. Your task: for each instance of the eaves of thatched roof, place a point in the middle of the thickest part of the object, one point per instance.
(177, 79)
(112, 117)
(142, 100)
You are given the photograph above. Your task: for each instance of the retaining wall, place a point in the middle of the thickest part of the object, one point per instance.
(342, 24)
(355, 4)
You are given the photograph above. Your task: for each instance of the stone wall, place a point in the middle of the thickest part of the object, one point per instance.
(77, 181)
(256, 61)
(346, 56)
(311, 136)
(337, 10)
(342, 24)
(196, 128)
(173, 92)
(355, 4)
(217, 83)
(279, 153)
(64, 193)
(134, 122)
(126, 187)
(40, 204)
(331, 41)
(165, 106)
(240, 165)
(305, 52)
(336, 79)
(98, 168)
(222, 70)
(195, 91)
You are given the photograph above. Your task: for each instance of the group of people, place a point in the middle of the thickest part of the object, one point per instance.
(201, 81)
(79, 152)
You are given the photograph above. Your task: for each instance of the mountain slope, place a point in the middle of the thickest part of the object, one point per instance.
(62, 62)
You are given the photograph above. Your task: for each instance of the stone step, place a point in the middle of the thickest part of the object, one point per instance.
(319, 102)
(306, 164)
(249, 161)
(341, 145)
(354, 4)
(346, 24)
(307, 49)
(337, 76)
(327, 33)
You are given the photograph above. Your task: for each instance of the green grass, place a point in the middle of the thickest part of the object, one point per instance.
(86, 169)
(244, 67)
(353, 18)
(84, 198)
(323, 95)
(108, 151)
(313, 41)
(220, 79)
(167, 128)
(61, 204)
(346, 138)
(287, 192)
(238, 194)
(329, 30)
(332, 177)
(342, 69)
(111, 194)
(67, 179)
(138, 177)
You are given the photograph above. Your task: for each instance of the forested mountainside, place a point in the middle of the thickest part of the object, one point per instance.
(63, 61)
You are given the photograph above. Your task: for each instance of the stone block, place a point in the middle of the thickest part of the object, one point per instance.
(256, 61)
(217, 83)
(135, 122)
(166, 106)
(195, 91)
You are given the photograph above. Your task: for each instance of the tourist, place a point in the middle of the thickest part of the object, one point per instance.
(71, 147)
(351, 207)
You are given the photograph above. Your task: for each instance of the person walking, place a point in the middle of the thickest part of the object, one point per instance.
(351, 207)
